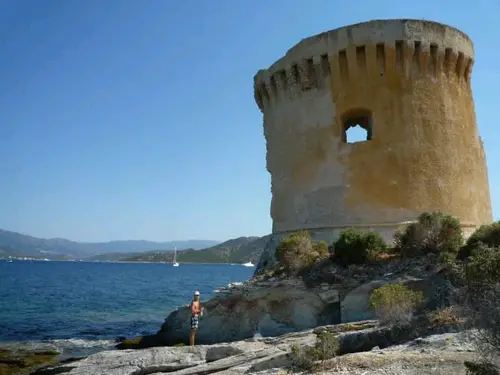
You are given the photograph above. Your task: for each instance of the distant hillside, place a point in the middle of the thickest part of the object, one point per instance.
(4, 254)
(23, 245)
(111, 257)
(238, 250)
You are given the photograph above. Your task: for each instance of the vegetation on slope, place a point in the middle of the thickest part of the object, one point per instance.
(473, 269)
(238, 250)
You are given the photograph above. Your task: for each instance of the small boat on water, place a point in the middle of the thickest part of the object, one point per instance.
(248, 264)
(175, 264)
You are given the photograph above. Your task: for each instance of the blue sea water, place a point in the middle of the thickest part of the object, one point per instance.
(83, 307)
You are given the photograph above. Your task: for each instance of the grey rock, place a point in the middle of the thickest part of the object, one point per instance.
(266, 308)
(273, 355)
(275, 307)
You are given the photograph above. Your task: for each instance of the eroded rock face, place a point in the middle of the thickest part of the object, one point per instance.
(267, 308)
(272, 307)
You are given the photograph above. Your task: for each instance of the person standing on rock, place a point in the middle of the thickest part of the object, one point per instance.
(196, 311)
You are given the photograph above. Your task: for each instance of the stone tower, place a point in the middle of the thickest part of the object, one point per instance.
(407, 83)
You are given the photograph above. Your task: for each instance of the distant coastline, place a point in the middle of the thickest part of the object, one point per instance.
(16, 246)
(113, 261)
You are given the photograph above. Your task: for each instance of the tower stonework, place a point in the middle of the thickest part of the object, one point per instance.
(408, 83)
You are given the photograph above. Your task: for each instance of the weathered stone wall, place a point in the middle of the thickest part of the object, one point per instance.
(412, 80)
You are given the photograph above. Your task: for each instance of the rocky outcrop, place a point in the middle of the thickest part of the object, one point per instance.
(436, 288)
(21, 361)
(271, 355)
(329, 294)
(442, 354)
(258, 307)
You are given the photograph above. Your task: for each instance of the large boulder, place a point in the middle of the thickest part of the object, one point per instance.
(265, 308)
(272, 306)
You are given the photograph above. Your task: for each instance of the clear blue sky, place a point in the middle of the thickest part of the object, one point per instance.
(130, 119)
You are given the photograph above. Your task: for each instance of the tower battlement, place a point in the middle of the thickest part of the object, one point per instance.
(412, 49)
(407, 84)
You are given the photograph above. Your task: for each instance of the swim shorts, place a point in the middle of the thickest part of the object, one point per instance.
(194, 322)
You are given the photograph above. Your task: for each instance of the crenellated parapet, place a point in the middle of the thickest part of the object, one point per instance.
(404, 85)
(410, 49)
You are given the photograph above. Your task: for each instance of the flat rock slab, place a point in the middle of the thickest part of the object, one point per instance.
(436, 355)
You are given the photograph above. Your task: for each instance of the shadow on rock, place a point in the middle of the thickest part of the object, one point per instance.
(144, 342)
(384, 337)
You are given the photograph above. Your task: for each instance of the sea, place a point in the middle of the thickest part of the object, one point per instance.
(80, 308)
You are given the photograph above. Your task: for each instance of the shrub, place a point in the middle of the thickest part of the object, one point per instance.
(483, 268)
(326, 347)
(321, 248)
(319, 251)
(482, 306)
(303, 357)
(357, 247)
(443, 317)
(480, 368)
(432, 233)
(395, 303)
(297, 251)
(488, 235)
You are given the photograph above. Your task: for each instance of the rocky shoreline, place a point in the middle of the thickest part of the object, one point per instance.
(437, 354)
(252, 327)
(20, 361)
(271, 306)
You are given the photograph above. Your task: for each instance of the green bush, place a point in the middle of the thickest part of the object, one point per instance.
(483, 266)
(432, 233)
(326, 347)
(320, 250)
(303, 358)
(357, 247)
(395, 303)
(482, 305)
(488, 235)
(482, 297)
(297, 251)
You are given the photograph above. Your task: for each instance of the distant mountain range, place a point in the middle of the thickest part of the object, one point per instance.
(17, 244)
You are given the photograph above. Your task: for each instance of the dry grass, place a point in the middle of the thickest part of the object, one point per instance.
(385, 257)
(446, 316)
(373, 361)
(348, 327)
(309, 358)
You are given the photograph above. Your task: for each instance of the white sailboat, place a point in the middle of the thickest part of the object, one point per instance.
(175, 264)
(248, 264)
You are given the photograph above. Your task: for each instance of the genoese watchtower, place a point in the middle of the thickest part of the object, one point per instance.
(408, 84)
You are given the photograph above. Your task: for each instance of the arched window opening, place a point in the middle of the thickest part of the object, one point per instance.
(357, 126)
